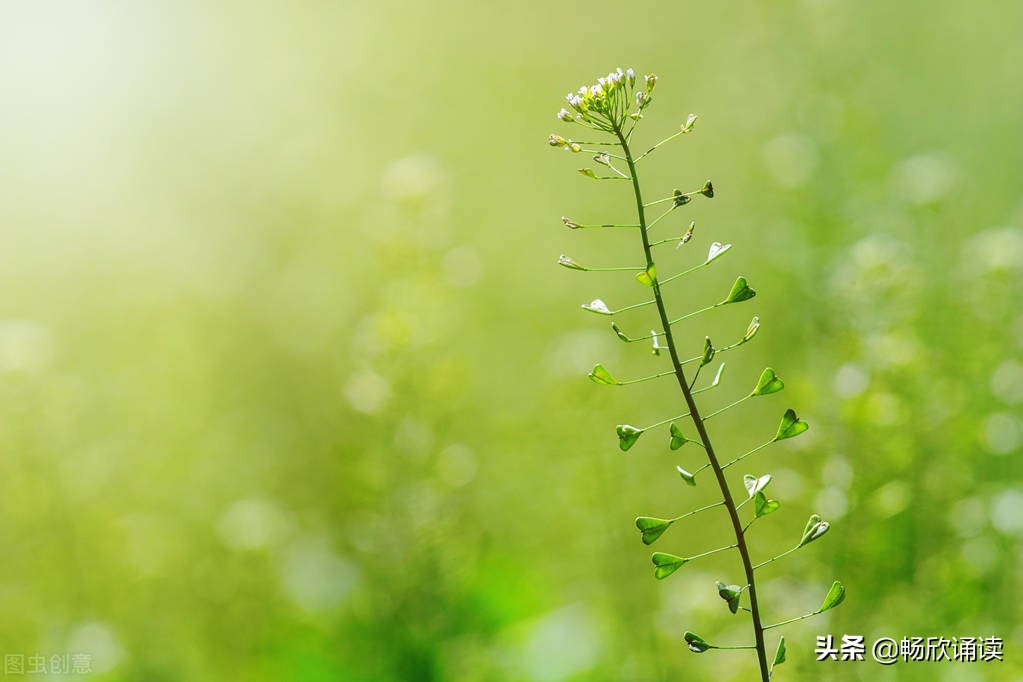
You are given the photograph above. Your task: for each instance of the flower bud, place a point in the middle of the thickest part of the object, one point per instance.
(565, 116)
(556, 141)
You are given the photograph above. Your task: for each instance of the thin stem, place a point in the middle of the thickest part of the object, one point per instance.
(705, 466)
(633, 306)
(684, 272)
(596, 151)
(652, 376)
(726, 494)
(792, 620)
(773, 559)
(576, 226)
(744, 456)
(624, 268)
(673, 197)
(696, 511)
(694, 313)
(713, 551)
(665, 421)
(728, 407)
(713, 383)
(665, 241)
(659, 218)
(664, 141)
(624, 176)
(696, 375)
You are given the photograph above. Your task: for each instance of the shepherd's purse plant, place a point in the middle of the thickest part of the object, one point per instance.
(609, 112)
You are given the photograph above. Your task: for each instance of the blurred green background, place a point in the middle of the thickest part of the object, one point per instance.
(291, 388)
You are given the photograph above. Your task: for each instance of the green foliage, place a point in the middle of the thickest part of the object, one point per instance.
(648, 276)
(740, 292)
(258, 315)
(677, 438)
(666, 564)
(600, 375)
(790, 426)
(768, 383)
(627, 435)
(779, 654)
(696, 643)
(731, 594)
(834, 597)
(652, 528)
(815, 528)
(755, 484)
(708, 352)
(611, 107)
(763, 506)
(689, 478)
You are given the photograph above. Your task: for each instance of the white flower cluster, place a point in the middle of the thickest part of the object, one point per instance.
(606, 104)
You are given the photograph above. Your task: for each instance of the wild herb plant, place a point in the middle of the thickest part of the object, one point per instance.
(609, 110)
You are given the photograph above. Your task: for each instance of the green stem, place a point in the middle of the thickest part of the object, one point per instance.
(694, 412)
(684, 272)
(576, 226)
(773, 559)
(791, 620)
(692, 314)
(624, 268)
(696, 511)
(649, 378)
(595, 151)
(709, 552)
(665, 421)
(728, 407)
(664, 141)
(633, 306)
(742, 457)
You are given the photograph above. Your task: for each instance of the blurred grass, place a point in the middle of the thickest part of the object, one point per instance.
(289, 388)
